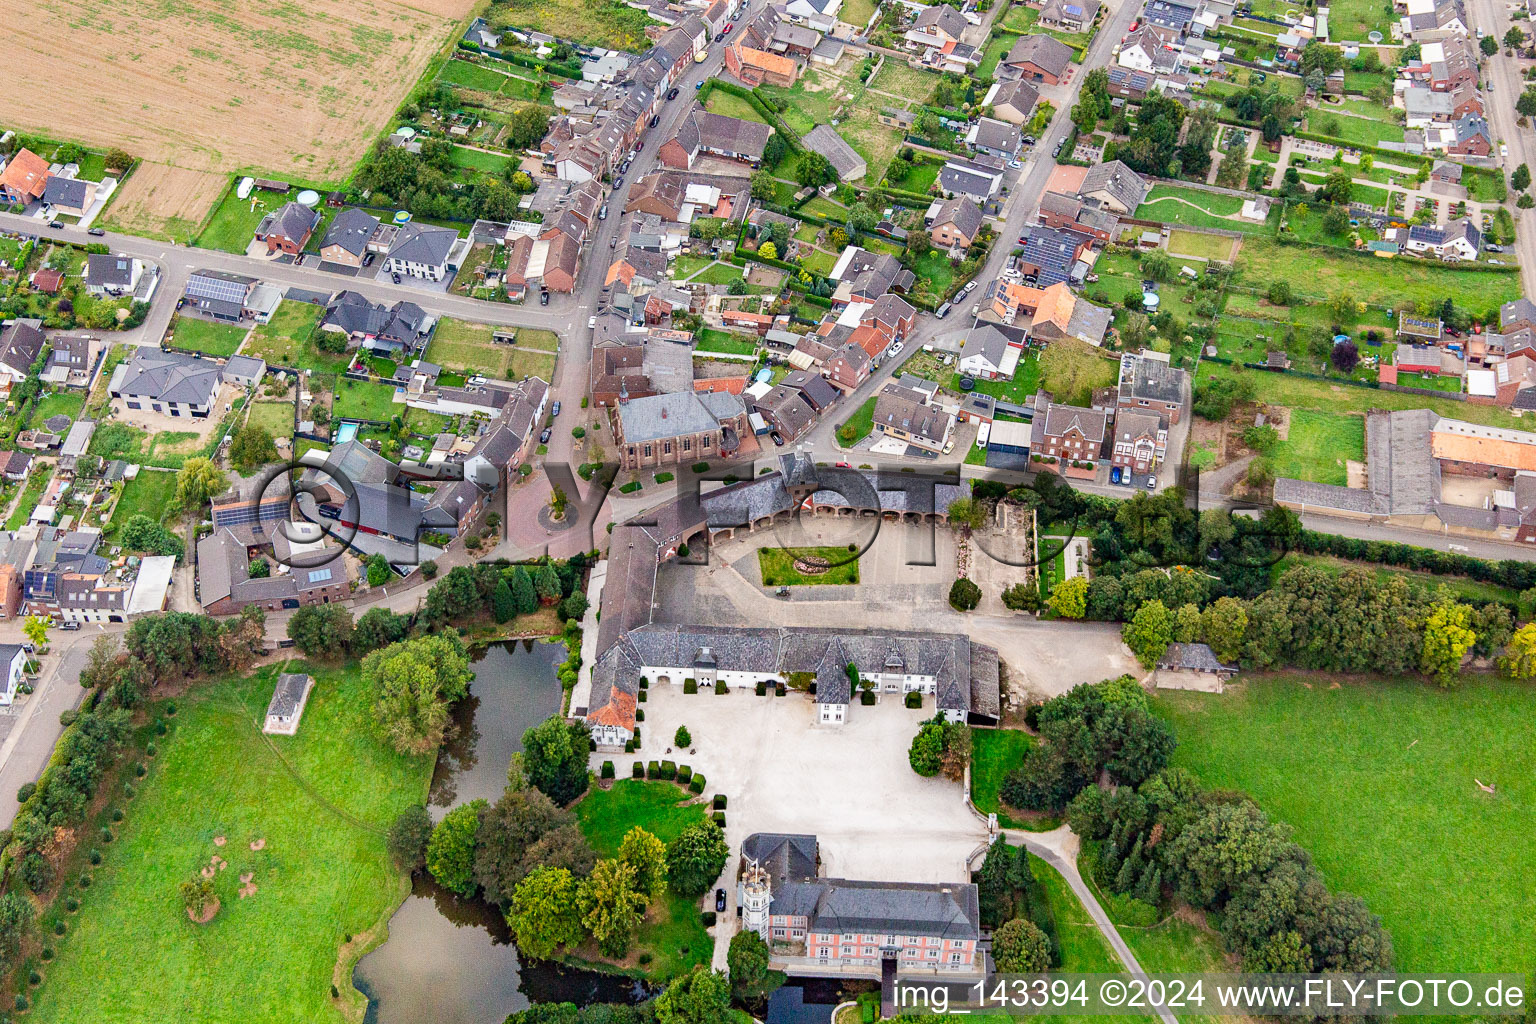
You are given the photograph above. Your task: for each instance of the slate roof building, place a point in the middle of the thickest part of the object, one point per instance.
(716, 134)
(1152, 384)
(346, 240)
(219, 294)
(808, 919)
(399, 329)
(961, 674)
(675, 428)
(21, 342)
(287, 704)
(844, 159)
(424, 251)
(172, 383)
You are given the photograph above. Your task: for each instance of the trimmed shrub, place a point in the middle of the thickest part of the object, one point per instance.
(669, 770)
(25, 792)
(645, 684)
(639, 714)
(637, 770)
(652, 770)
(697, 785)
(709, 918)
(641, 697)
(718, 818)
(684, 774)
(721, 687)
(762, 688)
(778, 690)
(607, 772)
(867, 698)
(719, 802)
(644, 959)
(637, 737)
(629, 748)
(915, 699)
(690, 686)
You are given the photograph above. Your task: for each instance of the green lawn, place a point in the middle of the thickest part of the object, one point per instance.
(544, 341)
(276, 417)
(364, 401)
(1359, 130)
(1196, 243)
(1025, 382)
(994, 753)
(321, 800)
(857, 425)
(471, 76)
(522, 364)
(777, 566)
(234, 221)
(1318, 445)
(1377, 780)
(718, 273)
(288, 339)
(476, 160)
(467, 347)
(730, 105)
(673, 932)
(208, 337)
(150, 493)
(37, 479)
(712, 340)
(1170, 204)
(935, 276)
(69, 403)
(1321, 272)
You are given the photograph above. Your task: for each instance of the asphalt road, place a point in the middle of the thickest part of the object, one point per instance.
(29, 743)
(1501, 76)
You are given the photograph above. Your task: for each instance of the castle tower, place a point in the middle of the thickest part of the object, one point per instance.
(756, 897)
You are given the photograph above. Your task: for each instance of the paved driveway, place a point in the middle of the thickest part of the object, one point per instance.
(849, 785)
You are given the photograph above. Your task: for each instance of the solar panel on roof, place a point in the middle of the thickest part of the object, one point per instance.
(319, 575)
(203, 287)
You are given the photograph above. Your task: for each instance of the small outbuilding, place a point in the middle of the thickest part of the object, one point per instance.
(1192, 667)
(287, 704)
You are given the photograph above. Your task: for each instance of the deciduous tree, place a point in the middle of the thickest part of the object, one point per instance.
(611, 906)
(1448, 636)
(648, 856)
(555, 758)
(407, 837)
(1020, 947)
(450, 855)
(321, 630)
(701, 996)
(252, 448)
(197, 481)
(1149, 632)
(696, 857)
(413, 683)
(545, 915)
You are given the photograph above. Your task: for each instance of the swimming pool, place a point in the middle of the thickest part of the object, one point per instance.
(346, 431)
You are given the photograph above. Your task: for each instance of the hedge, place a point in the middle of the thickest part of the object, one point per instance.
(637, 771)
(607, 770)
(719, 801)
(721, 686)
(758, 103)
(652, 770)
(690, 686)
(697, 785)
(684, 774)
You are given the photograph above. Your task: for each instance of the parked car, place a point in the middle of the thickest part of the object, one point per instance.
(544, 297)
(56, 224)
(602, 212)
(777, 438)
(699, 84)
(844, 465)
(181, 302)
(476, 381)
(592, 323)
(1151, 483)
(70, 626)
(895, 349)
(544, 436)
(1492, 247)
(1114, 475)
(720, 901)
(555, 410)
(97, 232)
(942, 311)
(970, 286)
(672, 93)
(396, 277)
(368, 260)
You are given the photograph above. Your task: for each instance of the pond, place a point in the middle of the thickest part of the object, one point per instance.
(449, 960)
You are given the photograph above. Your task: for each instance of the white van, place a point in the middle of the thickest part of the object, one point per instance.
(982, 435)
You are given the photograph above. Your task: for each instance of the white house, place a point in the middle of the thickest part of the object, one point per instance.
(14, 658)
(423, 251)
(992, 351)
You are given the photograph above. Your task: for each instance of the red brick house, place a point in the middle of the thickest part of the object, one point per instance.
(1072, 437)
(849, 368)
(288, 229)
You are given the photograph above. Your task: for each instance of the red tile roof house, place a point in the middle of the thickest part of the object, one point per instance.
(758, 322)
(24, 179)
(560, 264)
(288, 229)
(1040, 58)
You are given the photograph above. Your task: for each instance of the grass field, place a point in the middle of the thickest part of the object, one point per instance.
(361, 400)
(276, 417)
(1025, 382)
(673, 933)
(712, 340)
(321, 800)
(1320, 272)
(531, 364)
(1377, 780)
(1300, 393)
(476, 160)
(898, 79)
(467, 347)
(730, 105)
(544, 341)
(858, 424)
(777, 566)
(472, 76)
(1196, 243)
(1318, 445)
(1170, 204)
(610, 25)
(207, 337)
(994, 753)
(288, 339)
(149, 493)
